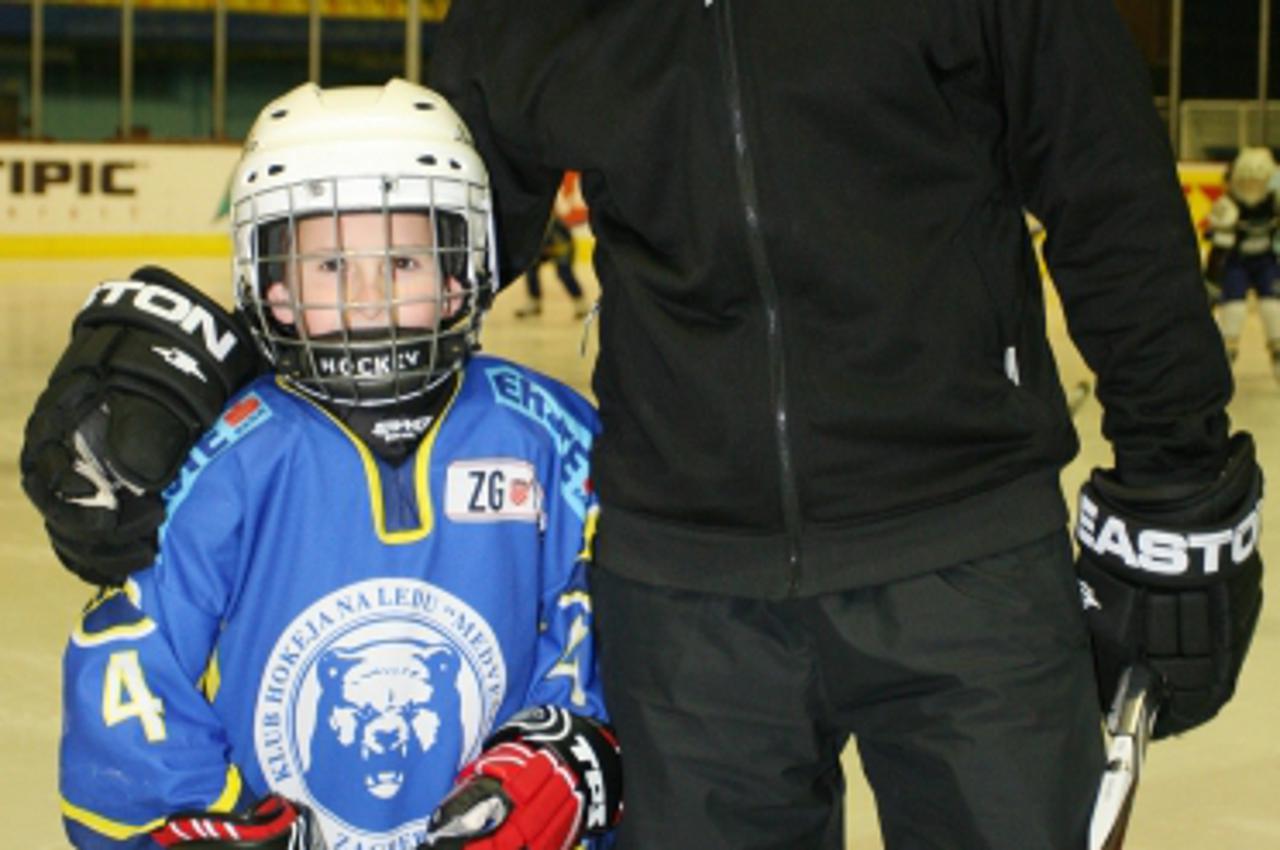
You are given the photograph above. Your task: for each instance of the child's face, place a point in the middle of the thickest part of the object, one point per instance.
(352, 251)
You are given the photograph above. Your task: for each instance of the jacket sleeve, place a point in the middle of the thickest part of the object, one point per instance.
(566, 661)
(491, 82)
(1091, 160)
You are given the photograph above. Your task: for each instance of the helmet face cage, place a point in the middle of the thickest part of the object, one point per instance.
(365, 288)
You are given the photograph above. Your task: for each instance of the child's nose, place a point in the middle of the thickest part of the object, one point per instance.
(366, 285)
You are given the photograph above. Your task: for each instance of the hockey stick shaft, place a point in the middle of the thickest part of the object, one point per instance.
(1129, 730)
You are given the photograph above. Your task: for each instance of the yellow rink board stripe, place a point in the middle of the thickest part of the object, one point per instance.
(63, 246)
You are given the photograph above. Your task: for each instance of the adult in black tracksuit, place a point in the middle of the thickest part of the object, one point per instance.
(833, 427)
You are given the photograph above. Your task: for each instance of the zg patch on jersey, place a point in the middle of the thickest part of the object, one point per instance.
(492, 490)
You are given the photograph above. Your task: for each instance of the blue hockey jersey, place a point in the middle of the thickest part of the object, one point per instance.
(324, 625)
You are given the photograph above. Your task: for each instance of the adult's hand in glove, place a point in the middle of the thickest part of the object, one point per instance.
(1173, 578)
(150, 364)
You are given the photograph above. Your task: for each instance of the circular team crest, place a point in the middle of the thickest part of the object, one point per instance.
(372, 699)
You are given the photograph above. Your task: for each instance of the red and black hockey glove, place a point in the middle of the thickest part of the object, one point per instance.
(274, 823)
(1174, 580)
(150, 364)
(544, 780)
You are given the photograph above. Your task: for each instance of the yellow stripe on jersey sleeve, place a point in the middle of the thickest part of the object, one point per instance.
(120, 831)
(210, 681)
(587, 555)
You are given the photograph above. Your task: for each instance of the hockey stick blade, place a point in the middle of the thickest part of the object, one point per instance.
(1128, 731)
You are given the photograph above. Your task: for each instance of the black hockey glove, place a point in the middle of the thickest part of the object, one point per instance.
(1175, 580)
(274, 823)
(545, 779)
(150, 363)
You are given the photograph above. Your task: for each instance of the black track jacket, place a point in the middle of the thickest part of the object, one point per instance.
(823, 360)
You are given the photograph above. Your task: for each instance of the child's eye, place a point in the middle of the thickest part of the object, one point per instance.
(405, 264)
(332, 265)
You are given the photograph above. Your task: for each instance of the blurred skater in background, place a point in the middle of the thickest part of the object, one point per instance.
(567, 235)
(1242, 253)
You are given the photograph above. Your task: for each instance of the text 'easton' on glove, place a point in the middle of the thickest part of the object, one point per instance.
(545, 779)
(1174, 579)
(150, 364)
(274, 823)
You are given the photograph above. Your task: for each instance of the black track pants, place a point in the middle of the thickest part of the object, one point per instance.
(970, 692)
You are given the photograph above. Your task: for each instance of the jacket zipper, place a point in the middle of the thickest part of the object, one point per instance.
(768, 291)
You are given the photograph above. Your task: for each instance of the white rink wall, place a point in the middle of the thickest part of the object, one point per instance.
(62, 201)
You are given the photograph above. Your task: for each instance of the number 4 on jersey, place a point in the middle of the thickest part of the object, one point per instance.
(125, 696)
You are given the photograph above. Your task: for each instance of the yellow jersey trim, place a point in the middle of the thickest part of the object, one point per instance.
(120, 831)
(588, 553)
(210, 680)
(141, 627)
(373, 480)
(230, 792)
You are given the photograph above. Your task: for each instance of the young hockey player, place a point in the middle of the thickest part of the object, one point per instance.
(368, 603)
(1242, 254)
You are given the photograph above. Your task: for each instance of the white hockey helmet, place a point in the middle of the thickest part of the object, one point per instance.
(386, 150)
(1251, 175)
